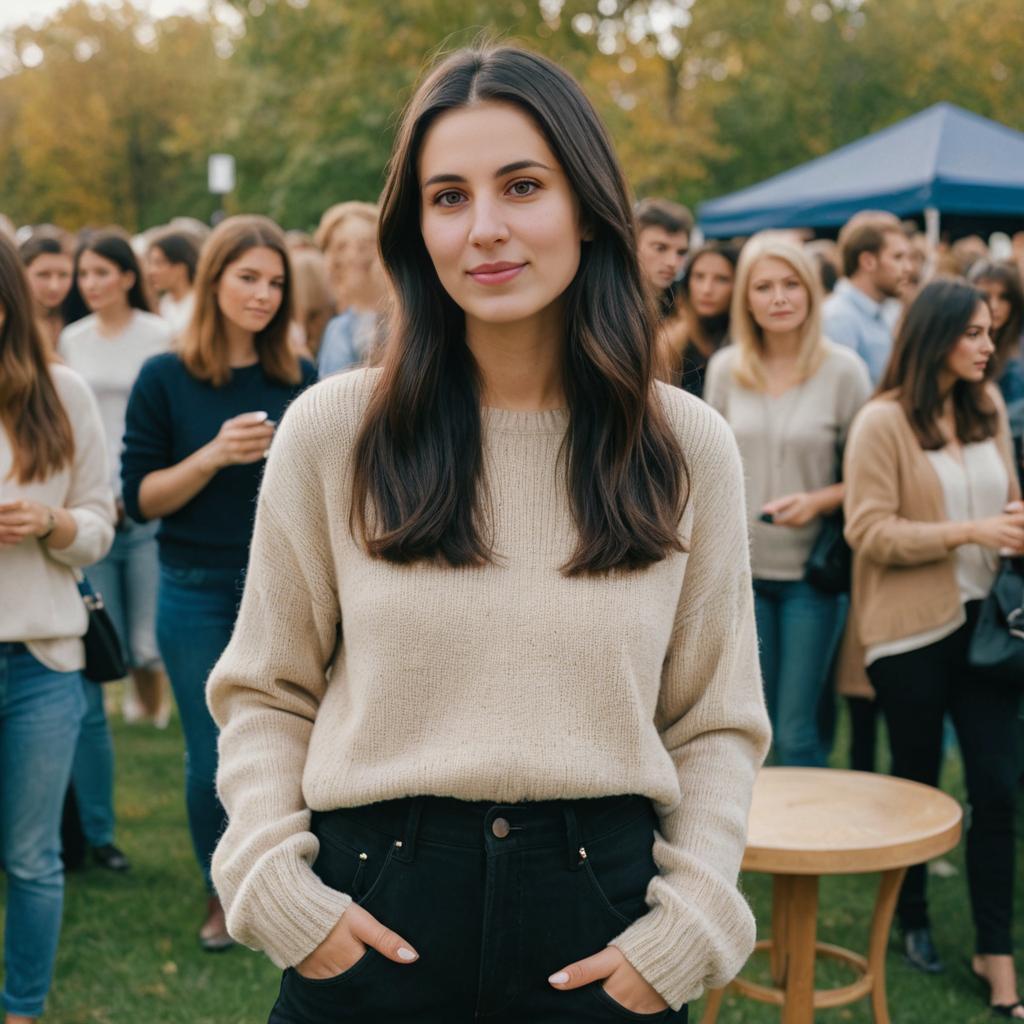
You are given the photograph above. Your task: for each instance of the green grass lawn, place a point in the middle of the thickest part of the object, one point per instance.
(128, 953)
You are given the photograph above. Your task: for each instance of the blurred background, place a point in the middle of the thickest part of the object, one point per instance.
(109, 111)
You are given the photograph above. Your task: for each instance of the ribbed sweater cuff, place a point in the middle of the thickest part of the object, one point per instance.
(294, 912)
(669, 949)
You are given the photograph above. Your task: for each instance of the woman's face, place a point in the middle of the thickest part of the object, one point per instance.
(498, 216)
(968, 359)
(159, 269)
(251, 288)
(776, 296)
(351, 251)
(103, 284)
(711, 280)
(49, 277)
(998, 301)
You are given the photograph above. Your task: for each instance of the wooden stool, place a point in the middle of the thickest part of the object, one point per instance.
(808, 822)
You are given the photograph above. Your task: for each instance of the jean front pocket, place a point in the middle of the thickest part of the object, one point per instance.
(618, 867)
(620, 1012)
(353, 858)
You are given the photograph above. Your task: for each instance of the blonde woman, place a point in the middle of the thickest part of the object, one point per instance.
(348, 237)
(789, 396)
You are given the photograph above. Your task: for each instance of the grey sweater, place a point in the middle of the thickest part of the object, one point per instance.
(789, 444)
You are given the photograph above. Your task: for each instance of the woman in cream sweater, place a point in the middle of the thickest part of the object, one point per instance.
(491, 713)
(931, 500)
(56, 514)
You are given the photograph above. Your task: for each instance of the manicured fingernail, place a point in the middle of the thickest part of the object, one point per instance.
(406, 954)
(559, 979)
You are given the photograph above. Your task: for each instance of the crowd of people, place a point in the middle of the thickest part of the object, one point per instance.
(319, 591)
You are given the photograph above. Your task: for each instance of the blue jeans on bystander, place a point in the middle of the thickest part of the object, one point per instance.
(797, 634)
(196, 611)
(40, 712)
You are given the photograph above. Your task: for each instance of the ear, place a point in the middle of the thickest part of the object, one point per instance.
(586, 230)
(128, 279)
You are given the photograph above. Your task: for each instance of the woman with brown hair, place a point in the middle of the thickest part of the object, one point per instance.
(49, 267)
(199, 424)
(56, 515)
(931, 500)
(493, 699)
(699, 324)
(1001, 284)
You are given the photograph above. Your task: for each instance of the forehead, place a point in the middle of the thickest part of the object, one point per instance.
(711, 263)
(95, 261)
(772, 266)
(895, 241)
(981, 315)
(481, 138)
(51, 261)
(657, 234)
(353, 228)
(259, 258)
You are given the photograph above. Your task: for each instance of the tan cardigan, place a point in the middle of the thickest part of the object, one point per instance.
(904, 576)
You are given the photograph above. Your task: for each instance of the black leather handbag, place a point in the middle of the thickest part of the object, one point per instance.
(104, 659)
(828, 565)
(997, 643)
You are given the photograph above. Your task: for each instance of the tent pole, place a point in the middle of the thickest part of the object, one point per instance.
(932, 225)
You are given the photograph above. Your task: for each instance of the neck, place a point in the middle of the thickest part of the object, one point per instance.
(864, 284)
(114, 319)
(520, 364)
(781, 346)
(241, 345)
(179, 289)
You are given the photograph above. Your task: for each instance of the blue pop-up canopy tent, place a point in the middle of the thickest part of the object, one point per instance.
(944, 160)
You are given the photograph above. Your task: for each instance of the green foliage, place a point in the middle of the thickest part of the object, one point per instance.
(108, 115)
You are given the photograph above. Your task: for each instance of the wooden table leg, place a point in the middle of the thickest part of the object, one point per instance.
(801, 934)
(712, 1005)
(878, 942)
(782, 893)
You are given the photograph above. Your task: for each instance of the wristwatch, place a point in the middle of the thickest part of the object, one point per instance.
(51, 524)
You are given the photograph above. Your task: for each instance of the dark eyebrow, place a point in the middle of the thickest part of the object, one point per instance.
(518, 165)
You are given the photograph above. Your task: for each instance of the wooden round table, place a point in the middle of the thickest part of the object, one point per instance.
(808, 822)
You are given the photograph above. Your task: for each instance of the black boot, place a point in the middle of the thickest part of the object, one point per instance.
(920, 950)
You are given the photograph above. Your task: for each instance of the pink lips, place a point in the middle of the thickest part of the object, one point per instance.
(495, 273)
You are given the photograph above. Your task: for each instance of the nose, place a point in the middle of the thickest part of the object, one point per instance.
(488, 227)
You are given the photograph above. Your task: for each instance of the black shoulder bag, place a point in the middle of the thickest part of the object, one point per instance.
(104, 660)
(997, 643)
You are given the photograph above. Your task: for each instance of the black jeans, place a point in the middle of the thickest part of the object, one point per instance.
(494, 898)
(915, 691)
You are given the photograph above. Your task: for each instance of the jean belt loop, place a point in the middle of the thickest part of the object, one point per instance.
(572, 835)
(407, 844)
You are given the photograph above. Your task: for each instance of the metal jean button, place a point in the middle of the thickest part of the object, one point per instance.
(500, 827)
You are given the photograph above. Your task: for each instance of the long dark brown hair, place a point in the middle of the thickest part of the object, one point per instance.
(115, 248)
(418, 458)
(204, 346)
(1007, 337)
(31, 412)
(933, 324)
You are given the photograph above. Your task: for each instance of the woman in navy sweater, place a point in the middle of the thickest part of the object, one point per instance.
(199, 424)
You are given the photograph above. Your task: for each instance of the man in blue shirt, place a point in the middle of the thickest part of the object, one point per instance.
(877, 266)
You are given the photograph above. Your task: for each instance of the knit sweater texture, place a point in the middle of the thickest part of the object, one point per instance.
(351, 680)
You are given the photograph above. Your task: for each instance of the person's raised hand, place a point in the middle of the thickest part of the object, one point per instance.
(242, 439)
(792, 509)
(1004, 532)
(22, 519)
(347, 942)
(620, 978)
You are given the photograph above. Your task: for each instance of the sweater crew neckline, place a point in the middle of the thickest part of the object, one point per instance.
(516, 421)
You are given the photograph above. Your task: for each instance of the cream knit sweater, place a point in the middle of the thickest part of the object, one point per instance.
(350, 680)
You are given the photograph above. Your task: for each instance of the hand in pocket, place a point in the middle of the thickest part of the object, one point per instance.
(619, 978)
(347, 942)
